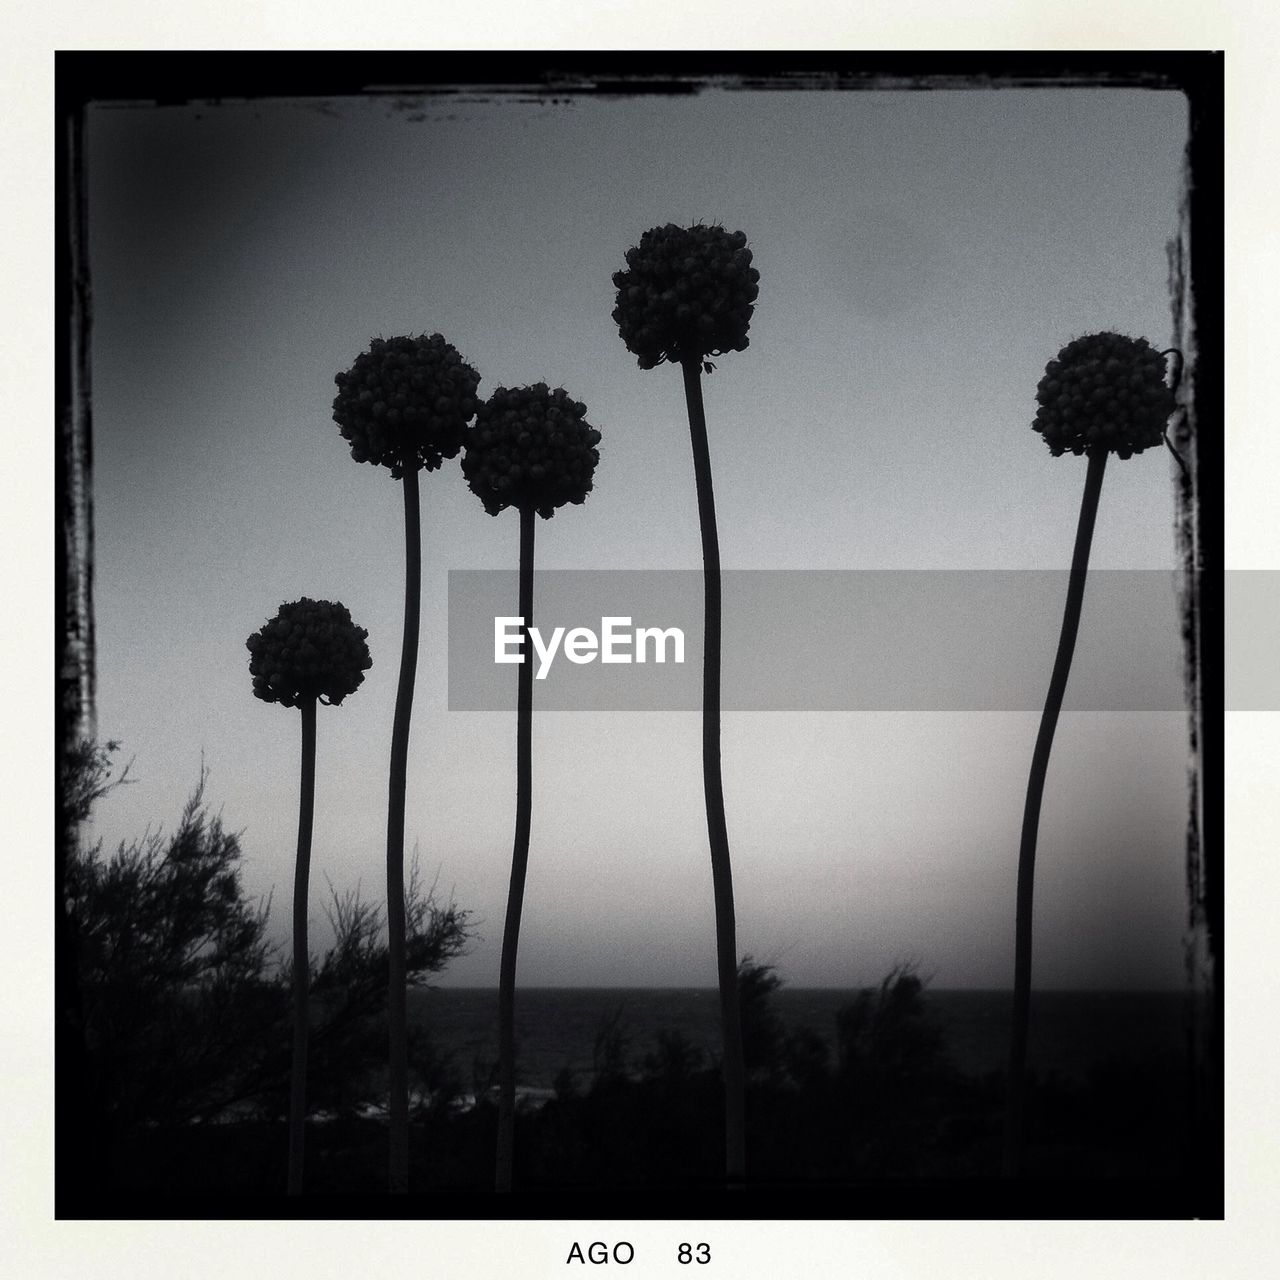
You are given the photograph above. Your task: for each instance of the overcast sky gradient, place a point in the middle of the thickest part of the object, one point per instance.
(921, 255)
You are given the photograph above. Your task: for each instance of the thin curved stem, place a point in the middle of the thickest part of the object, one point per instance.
(713, 788)
(397, 1013)
(1015, 1104)
(1177, 457)
(1174, 384)
(519, 866)
(301, 955)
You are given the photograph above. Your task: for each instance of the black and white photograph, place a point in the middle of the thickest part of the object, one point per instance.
(639, 638)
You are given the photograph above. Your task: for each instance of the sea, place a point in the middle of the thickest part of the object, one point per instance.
(557, 1028)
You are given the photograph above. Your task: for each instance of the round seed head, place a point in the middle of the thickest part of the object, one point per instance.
(1104, 392)
(530, 447)
(310, 649)
(405, 393)
(687, 293)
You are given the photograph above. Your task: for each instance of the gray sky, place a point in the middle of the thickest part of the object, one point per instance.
(921, 256)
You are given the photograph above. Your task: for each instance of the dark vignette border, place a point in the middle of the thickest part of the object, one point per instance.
(547, 79)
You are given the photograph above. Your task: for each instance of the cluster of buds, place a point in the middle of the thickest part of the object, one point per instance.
(1104, 392)
(531, 447)
(310, 649)
(688, 292)
(406, 397)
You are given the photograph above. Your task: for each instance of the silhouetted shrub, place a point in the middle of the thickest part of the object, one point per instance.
(886, 1036)
(674, 1060)
(349, 986)
(565, 1083)
(609, 1052)
(806, 1058)
(179, 1010)
(763, 1034)
(186, 1002)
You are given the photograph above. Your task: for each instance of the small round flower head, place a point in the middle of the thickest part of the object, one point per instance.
(310, 649)
(414, 392)
(531, 447)
(687, 292)
(1104, 392)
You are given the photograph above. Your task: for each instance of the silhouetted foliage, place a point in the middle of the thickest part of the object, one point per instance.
(179, 1012)
(85, 778)
(186, 1000)
(867, 1099)
(762, 1031)
(805, 1057)
(349, 988)
(675, 1059)
(657, 1122)
(565, 1084)
(188, 1010)
(609, 1053)
(886, 1036)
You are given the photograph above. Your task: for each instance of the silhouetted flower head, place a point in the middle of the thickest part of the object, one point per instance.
(310, 649)
(1104, 392)
(406, 391)
(531, 447)
(686, 292)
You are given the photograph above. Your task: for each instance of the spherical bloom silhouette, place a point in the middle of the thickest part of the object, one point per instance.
(530, 447)
(310, 649)
(406, 392)
(1104, 392)
(688, 292)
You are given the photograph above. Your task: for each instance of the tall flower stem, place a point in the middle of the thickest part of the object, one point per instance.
(397, 1015)
(1015, 1106)
(713, 787)
(519, 866)
(301, 955)
(310, 651)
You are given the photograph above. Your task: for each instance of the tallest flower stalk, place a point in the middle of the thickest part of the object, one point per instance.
(404, 405)
(689, 293)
